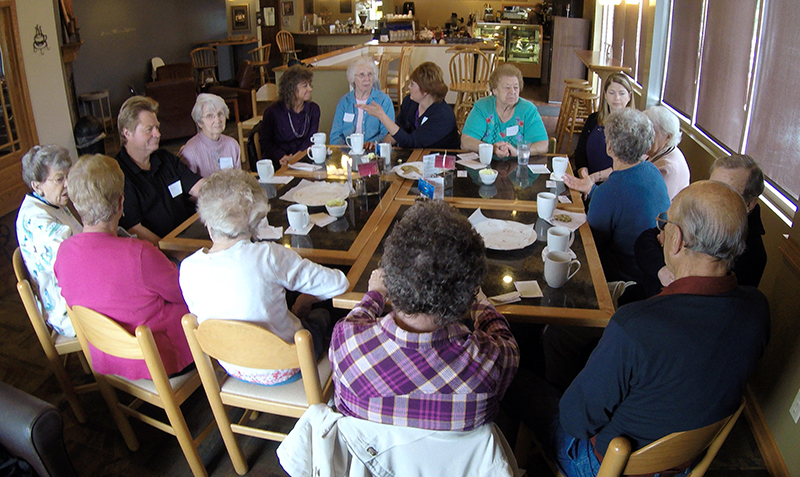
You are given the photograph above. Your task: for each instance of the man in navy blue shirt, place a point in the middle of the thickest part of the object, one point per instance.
(675, 362)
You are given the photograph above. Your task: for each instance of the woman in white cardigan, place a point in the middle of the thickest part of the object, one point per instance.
(664, 153)
(238, 279)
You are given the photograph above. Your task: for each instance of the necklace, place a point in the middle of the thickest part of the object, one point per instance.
(661, 154)
(305, 126)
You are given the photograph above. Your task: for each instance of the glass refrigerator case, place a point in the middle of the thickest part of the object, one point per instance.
(522, 45)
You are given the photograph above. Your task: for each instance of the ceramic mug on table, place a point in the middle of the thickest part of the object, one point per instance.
(356, 143)
(319, 138)
(557, 266)
(265, 169)
(559, 239)
(485, 152)
(317, 153)
(560, 167)
(545, 204)
(298, 216)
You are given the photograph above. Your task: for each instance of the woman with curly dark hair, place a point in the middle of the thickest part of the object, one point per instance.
(425, 120)
(287, 125)
(420, 365)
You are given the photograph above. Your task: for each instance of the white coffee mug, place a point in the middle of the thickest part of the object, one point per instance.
(559, 239)
(485, 152)
(318, 138)
(317, 153)
(265, 169)
(560, 166)
(557, 269)
(545, 204)
(356, 143)
(298, 216)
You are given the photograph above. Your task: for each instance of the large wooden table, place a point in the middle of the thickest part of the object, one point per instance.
(356, 240)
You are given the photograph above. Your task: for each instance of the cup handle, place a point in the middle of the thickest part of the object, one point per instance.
(571, 238)
(570, 275)
(308, 152)
(347, 141)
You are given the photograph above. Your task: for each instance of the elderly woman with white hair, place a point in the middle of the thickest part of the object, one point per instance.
(43, 222)
(210, 150)
(238, 279)
(362, 74)
(664, 153)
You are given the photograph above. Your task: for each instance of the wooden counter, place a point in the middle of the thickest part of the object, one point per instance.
(315, 44)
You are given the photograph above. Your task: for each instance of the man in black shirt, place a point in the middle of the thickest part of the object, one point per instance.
(158, 185)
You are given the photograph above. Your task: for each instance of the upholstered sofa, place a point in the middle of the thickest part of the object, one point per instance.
(176, 91)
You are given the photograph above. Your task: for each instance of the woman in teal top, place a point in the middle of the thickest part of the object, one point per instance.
(503, 119)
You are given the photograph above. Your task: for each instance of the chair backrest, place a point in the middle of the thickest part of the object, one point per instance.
(285, 41)
(383, 73)
(470, 66)
(155, 63)
(204, 57)
(260, 54)
(29, 300)
(669, 451)
(403, 72)
(247, 344)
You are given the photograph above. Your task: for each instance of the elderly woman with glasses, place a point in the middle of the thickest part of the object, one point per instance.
(420, 365)
(628, 202)
(238, 279)
(425, 120)
(210, 150)
(664, 152)
(127, 279)
(362, 74)
(43, 223)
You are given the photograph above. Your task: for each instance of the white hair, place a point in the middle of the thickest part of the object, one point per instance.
(366, 61)
(666, 122)
(212, 101)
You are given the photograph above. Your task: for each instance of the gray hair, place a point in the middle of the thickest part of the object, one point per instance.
(96, 184)
(231, 203)
(630, 134)
(665, 122)
(433, 262)
(212, 102)
(755, 183)
(713, 220)
(41, 160)
(366, 61)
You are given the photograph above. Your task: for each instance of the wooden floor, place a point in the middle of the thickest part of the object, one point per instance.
(97, 449)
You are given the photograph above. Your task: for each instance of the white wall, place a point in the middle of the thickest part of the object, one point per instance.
(45, 73)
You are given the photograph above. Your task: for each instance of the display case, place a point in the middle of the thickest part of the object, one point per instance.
(522, 45)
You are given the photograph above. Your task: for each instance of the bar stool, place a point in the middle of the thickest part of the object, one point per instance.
(259, 58)
(570, 86)
(469, 78)
(581, 105)
(285, 42)
(88, 102)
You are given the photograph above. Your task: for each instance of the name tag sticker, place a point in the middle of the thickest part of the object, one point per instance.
(424, 118)
(512, 131)
(175, 188)
(225, 162)
(348, 117)
(461, 173)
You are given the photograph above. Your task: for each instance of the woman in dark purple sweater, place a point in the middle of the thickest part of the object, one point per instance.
(287, 125)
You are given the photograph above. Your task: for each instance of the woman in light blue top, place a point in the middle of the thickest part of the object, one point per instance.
(363, 77)
(503, 119)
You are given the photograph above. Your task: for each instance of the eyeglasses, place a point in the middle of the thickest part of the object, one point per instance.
(57, 180)
(365, 75)
(661, 221)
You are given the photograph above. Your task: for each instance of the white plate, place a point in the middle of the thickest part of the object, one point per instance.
(505, 235)
(319, 193)
(569, 251)
(414, 174)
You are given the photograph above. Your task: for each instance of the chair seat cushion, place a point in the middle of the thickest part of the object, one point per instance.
(291, 394)
(148, 385)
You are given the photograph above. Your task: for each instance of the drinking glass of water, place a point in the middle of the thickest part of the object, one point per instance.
(523, 153)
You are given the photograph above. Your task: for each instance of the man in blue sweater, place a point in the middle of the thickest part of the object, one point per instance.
(675, 362)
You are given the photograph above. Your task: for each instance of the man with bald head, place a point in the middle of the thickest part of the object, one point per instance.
(675, 362)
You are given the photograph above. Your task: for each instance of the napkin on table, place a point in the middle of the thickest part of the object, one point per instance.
(321, 219)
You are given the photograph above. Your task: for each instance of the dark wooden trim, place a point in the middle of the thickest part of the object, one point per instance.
(791, 254)
(773, 460)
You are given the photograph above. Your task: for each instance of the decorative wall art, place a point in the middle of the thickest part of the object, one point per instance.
(287, 8)
(240, 17)
(40, 41)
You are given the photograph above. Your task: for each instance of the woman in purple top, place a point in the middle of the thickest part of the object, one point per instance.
(288, 124)
(590, 157)
(210, 150)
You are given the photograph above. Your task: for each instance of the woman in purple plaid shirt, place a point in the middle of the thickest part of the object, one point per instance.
(420, 365)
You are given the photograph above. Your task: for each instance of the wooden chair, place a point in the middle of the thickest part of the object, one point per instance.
(109, 337)
(469, 79)
(403, 73)
(383, 71)
(259, 59)
(56, 347)
(204, 60)
(580, 105)
(285, 42)
(247, 344)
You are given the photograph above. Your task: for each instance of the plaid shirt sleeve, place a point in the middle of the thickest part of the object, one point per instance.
(495, 326)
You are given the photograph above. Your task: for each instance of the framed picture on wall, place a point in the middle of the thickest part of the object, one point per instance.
(240, 17)
(287, 8)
